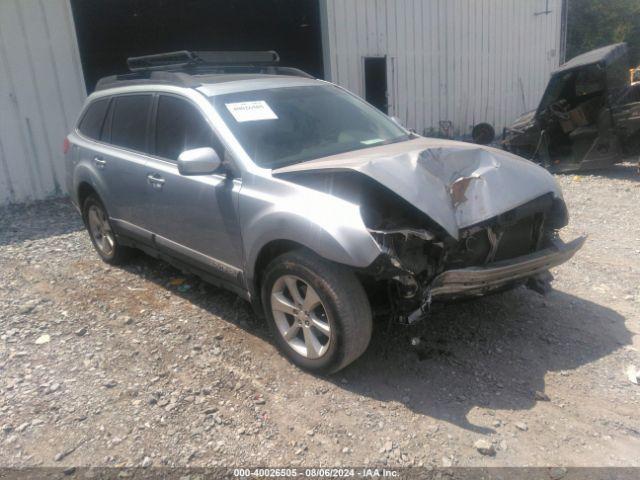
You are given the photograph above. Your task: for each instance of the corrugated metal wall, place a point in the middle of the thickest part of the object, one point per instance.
(464, 61)
(41, 92)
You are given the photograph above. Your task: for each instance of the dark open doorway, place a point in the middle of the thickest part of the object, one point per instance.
(110, 31)
(375, 82)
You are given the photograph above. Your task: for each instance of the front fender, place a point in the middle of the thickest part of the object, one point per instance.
(331, 227)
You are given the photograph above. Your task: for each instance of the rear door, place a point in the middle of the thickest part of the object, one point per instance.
(195, 217)
(90, 127)
(123, 164)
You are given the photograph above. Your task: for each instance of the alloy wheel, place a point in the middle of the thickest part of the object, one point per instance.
(101, 230)
(300, 316)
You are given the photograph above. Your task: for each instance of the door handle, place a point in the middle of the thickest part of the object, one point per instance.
(155, 180)
(99, 162)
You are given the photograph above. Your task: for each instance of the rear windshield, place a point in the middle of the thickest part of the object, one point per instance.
(283, 126)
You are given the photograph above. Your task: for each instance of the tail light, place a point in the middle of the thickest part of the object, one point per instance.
(66, 145)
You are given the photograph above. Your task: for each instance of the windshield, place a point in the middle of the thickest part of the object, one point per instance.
(283, 126)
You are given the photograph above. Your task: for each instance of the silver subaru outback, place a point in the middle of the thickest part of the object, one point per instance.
(303, 199)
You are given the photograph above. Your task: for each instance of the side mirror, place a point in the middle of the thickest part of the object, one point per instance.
(199, 161)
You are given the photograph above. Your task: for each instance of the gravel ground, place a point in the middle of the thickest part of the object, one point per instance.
(144, 366)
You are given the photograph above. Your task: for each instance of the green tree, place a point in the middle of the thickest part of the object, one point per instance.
(595, 23)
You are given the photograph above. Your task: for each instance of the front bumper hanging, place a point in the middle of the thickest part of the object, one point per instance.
(477, 281)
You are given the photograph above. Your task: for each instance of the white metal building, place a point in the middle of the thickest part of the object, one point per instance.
(41, 92)
(458, 61)
(440, 66)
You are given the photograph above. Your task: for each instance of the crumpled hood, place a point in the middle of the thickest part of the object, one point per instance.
(456, 184)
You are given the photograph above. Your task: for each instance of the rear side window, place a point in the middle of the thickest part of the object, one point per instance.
(129, 121)
(180, 126)
(93, 120)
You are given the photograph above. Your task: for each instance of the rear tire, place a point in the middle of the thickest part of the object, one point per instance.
(317, 310)
(104, 240)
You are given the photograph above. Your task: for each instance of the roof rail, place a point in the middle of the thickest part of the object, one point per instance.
(145, 78)
(185, 60)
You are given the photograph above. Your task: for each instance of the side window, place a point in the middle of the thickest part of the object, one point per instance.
(93, 120)
(129, 121)
(179, 127)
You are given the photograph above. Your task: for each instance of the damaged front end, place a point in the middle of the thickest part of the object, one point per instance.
(515, 248)
(451, 220)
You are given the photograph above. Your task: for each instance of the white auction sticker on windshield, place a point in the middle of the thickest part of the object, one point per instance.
(251, 111)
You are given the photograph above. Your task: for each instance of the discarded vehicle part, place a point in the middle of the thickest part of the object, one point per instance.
(446, 128)
(483, 134)
(589, 116)
(635, 75)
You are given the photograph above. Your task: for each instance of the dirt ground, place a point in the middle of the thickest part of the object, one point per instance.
(129, 366)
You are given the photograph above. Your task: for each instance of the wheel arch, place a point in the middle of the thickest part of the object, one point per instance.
(83, 191)
(268, 252)
(337, 242)
(84, 180)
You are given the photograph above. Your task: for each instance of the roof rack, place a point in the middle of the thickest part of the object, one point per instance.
(183, 59)
(180, 67)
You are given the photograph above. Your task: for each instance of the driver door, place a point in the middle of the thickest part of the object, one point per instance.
(194, 217)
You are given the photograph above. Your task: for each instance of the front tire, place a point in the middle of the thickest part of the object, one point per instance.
(317, 310)
(104, 240)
